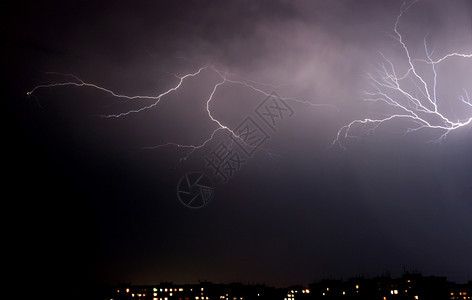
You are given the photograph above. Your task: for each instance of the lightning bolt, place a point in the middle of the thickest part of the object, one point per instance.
(225, 79)
(419, 105)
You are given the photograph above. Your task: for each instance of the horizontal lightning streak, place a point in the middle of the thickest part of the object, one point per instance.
(157, 99)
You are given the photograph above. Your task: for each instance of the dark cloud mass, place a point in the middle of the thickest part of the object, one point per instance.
(89, 205)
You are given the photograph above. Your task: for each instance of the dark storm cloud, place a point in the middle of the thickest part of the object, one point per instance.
(311, 212)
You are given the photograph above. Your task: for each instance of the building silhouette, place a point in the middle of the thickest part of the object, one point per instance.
(412, 286)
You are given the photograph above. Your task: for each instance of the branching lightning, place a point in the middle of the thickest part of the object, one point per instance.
(155, 100)
(411, 94)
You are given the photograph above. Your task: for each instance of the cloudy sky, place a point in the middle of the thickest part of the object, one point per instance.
(93, 204)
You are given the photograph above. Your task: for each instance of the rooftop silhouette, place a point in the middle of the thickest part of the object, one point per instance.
(408, 286)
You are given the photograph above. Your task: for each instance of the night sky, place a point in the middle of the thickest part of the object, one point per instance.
(89, 204)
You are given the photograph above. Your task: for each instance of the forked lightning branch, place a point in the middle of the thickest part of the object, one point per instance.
(156, 100)
(410, 96)
(413, 96)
